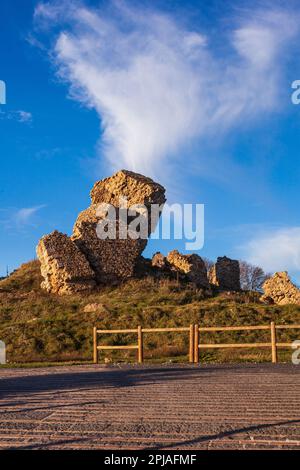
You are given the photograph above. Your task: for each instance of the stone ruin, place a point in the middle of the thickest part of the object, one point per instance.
(64, 268)
(159, 261)
(84, 261)
(81, 262)
(280, 290)
(186, 267)
(191, 266)
(225, 274)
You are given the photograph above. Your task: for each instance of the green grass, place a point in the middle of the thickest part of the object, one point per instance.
(40, 327)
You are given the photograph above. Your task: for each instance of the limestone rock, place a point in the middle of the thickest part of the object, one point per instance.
(64, 268)
(225, 274)
(86, 259)
(192, 266)
(95, 308)
(138, 189)
(159, 260)
(281, 290)
(115, 259)
(111, 260)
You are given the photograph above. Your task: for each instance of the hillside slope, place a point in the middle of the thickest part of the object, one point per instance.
(39, 326)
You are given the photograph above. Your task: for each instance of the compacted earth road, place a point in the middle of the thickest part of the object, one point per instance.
(151, 407)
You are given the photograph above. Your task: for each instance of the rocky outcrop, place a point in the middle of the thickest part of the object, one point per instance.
(64, 268)
(280, 290)
(159, 261)
(106, 246)
(88, 258)
(191, 266)
(225, 274)
(136, 188)
(111, 259)
(115, 259)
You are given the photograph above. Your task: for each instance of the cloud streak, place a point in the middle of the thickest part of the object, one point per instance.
(19, 116)
(275, 250)
(23, 216)
(18, 219)
(158, 85)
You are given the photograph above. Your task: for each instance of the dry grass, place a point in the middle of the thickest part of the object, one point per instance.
(37, 326)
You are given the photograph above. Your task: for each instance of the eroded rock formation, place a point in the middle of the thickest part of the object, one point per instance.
(225, 274)
(280, 290)
(191, 266)
(64, 268)
(159, 261)
(111, 259)
(84, 260)
(136, 188)
(115, 259)
(98, 252)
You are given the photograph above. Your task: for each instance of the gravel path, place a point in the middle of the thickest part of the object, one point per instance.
(161, 407)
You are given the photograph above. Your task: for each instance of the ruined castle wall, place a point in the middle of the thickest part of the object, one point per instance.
(225, 274)
(64, 268)
(71, 264)
(192, 266)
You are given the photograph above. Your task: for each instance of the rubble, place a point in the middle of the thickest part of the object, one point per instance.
(85, 259)
(191, 266)
(159, 260)
(280, 290)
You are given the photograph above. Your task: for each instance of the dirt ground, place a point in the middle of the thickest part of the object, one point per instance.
(158, 407)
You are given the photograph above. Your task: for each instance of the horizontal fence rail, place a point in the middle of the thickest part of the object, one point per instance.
(273, 344)
(139, 331)
(194, 339)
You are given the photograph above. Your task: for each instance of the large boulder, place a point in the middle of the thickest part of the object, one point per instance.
(92, 255)
(111, 259)
(280, 289)
(115, 259)
(191, 266)
(225, 274)
(136, 188)
(64, 268)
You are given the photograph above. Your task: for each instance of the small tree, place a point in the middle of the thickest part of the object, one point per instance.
(208, 263)
(252, 277)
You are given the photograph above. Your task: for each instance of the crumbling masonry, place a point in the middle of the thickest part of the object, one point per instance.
(81, 262)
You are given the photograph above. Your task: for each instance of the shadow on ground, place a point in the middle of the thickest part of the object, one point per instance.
(91, 377)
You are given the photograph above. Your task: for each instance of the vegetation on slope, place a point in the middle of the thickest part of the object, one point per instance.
(37, 326)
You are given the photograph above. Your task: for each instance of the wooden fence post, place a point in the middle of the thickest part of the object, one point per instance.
(273, 343)
(191, 355)
(95, 350)
(196, 343)
(140, 345)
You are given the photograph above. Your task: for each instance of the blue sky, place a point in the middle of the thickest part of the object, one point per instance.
(196, 94)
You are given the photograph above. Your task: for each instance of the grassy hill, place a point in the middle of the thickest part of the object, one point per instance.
(37, 326)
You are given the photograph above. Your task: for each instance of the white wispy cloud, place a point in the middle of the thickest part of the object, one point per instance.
(19, 115)
(24, 216)
(23, 116)
(18, 219)
(275, 249)
(157, 85)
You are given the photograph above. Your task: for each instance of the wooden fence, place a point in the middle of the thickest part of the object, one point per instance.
(194, 339)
